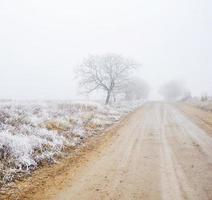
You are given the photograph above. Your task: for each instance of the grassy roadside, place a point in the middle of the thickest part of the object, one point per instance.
(56, 175)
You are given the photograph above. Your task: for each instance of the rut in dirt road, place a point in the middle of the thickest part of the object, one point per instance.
(158, 154)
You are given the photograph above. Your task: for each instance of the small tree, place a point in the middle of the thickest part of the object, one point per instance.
(204, 97)
(109, 73)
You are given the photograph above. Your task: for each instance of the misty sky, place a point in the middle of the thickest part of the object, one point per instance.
(41, 41)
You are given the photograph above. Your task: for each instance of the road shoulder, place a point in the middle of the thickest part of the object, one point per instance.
(200, 117)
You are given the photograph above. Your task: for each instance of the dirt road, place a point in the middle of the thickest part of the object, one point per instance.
(158, 154)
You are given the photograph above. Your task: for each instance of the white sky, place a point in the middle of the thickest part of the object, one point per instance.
(41, 41)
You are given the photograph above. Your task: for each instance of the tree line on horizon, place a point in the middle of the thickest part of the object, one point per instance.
(115, 76)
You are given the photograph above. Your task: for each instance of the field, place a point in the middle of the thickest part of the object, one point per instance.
(204, 105)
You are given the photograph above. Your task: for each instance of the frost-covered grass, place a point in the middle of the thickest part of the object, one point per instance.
(205, 105)
(33, 133)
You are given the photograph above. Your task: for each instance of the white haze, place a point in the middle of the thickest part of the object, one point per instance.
(41, 41)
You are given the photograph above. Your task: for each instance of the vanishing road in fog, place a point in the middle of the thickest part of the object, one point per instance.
(160, 151)
(158, 154)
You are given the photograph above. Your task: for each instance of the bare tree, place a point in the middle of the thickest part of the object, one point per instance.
(174, 90)
(109, 73)
(204, 97)
(136, 89)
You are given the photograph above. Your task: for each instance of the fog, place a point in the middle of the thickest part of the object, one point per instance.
(41, 42)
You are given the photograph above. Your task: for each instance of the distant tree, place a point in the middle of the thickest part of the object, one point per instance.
(204, 97)
(136, 89)
(174, 90)
(108, 73)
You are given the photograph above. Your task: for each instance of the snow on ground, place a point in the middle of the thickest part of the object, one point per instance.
(33, 132)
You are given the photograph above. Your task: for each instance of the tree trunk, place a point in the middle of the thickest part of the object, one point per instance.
(108, 97)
